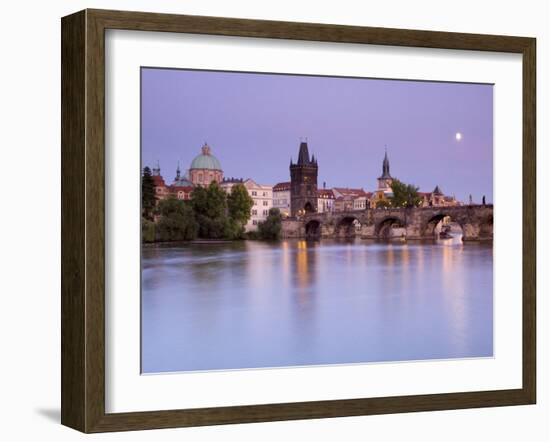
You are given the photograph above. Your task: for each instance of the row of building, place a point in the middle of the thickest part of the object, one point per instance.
(293, 198)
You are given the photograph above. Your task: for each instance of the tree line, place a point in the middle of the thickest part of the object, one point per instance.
(210, 213)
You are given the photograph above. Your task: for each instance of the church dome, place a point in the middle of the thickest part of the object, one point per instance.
(206, 160)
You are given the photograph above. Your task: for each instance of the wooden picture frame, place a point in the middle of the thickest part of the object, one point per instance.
(83, 220)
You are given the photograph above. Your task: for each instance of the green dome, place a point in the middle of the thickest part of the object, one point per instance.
(206, 160)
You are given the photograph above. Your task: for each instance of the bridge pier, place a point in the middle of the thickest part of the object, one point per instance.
(293, 229)
(368, 231)
(327, 230)
(470, 232)
(413, 232)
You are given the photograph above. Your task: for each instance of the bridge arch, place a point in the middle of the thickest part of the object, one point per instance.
(313, 229)
(433, 226)
(347, 226)
(384, 228)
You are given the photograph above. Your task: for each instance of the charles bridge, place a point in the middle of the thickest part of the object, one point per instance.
(476, 222)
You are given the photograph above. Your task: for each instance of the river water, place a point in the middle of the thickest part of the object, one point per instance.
(292, 303)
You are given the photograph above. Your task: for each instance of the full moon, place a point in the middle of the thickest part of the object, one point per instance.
(458, 136)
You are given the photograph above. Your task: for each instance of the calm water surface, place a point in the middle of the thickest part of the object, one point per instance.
(254, 304)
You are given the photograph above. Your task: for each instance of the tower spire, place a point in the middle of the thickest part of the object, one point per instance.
(303, 154)
(156, 170)
(386, 164)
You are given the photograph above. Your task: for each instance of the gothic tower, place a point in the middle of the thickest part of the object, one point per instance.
(303, 182)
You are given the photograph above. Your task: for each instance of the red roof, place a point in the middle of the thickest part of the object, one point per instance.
(325, 193)
(346, 191)
(281, 187)
(158, 180)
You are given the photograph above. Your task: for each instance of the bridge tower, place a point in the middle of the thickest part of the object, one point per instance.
(303, 182)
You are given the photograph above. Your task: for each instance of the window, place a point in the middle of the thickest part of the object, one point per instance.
(200, 177)
(254, 193)
(254, 222)
(265, 212)
(254, 212)
(266, 203)
(265, 194)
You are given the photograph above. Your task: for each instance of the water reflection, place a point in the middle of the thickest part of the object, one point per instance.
(254, 304)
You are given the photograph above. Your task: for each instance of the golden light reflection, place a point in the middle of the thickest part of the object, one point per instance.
(405, 260)
(304, 272)
(302, 265)
(390, 258)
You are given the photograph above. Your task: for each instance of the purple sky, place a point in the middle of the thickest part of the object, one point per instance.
(254, 122)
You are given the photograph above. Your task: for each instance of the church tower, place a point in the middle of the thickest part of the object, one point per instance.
(303, 182)
(385, 180)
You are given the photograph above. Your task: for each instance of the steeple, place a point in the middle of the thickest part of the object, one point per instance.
(178, 172)
(156, 170)
(386, 166)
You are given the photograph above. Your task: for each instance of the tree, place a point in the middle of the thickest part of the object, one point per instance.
(404, 195)
(271, 228)
(382, 204)
(210, 208)
(147, 230)
(177, 221)
(233, 230)
(239, 204)
(148, 199)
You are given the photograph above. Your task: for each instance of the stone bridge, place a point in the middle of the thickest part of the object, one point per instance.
(476, 222)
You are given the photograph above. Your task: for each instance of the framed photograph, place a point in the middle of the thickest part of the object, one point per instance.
(270, 220)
